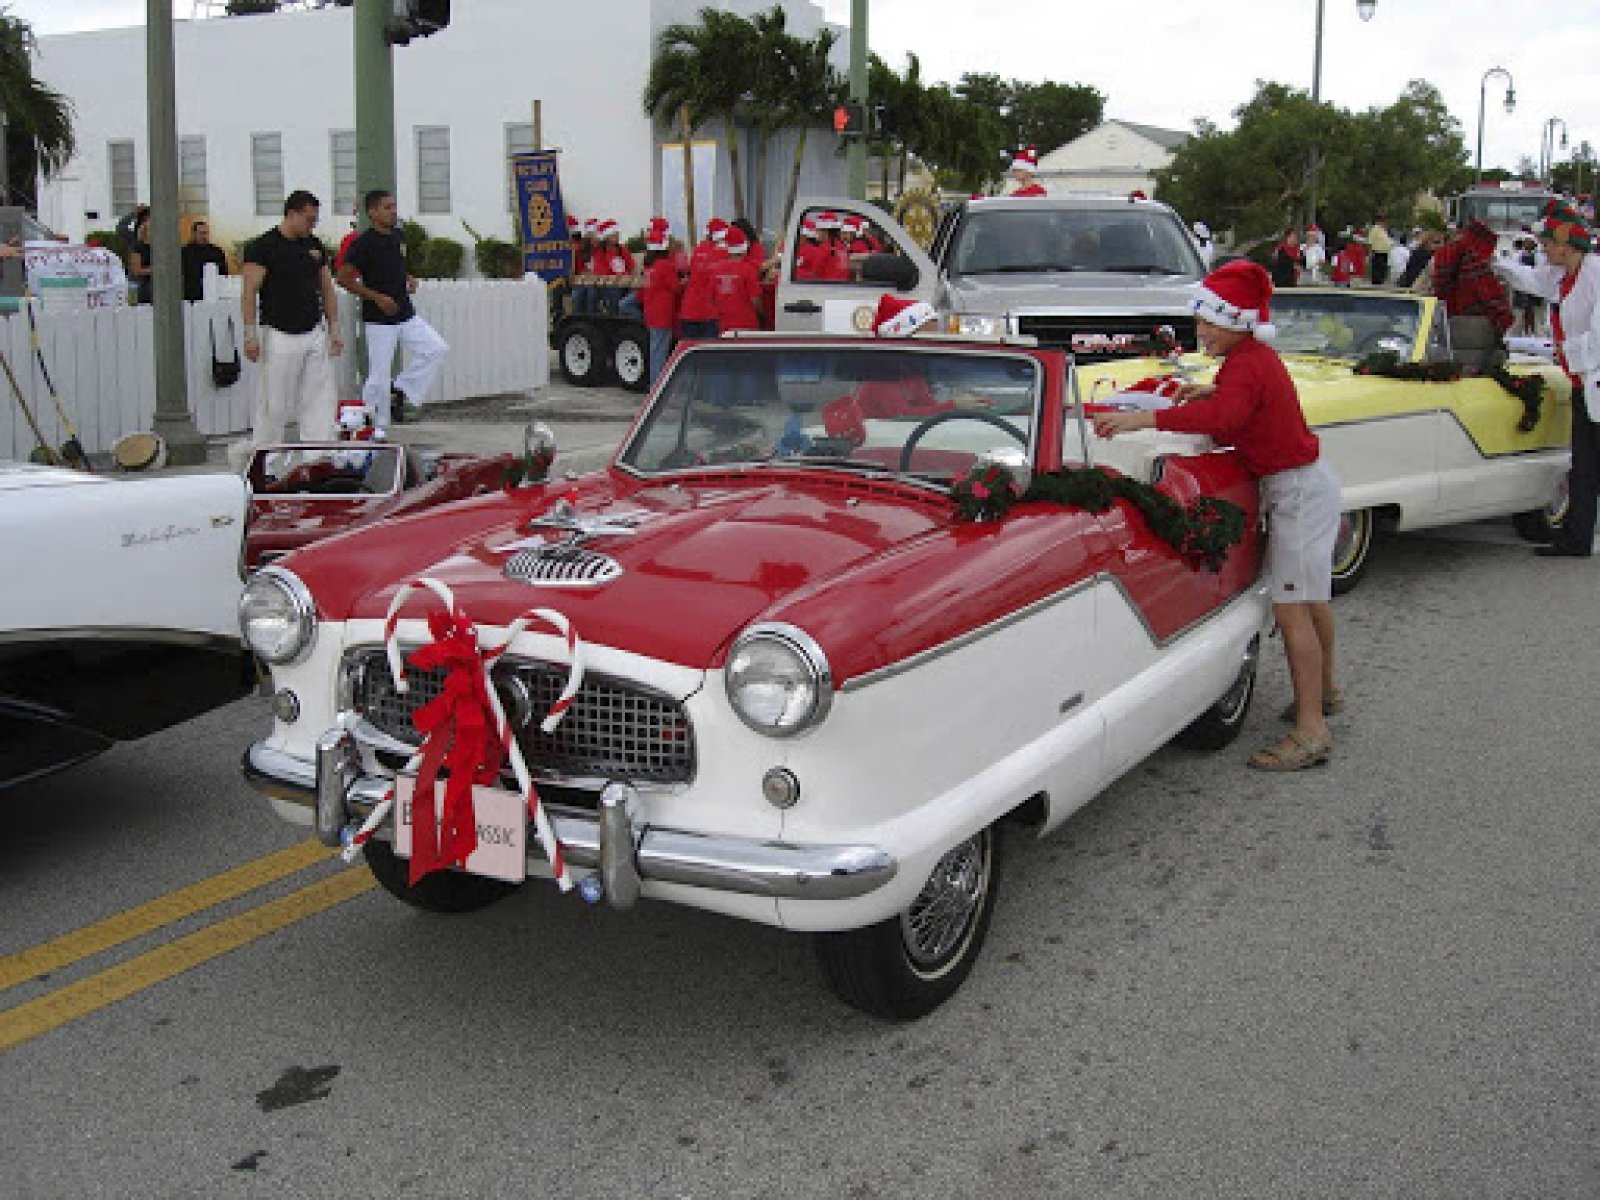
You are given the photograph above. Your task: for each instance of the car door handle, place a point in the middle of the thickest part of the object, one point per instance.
(803, 306)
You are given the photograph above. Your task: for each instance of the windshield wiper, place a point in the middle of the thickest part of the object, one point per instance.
(1027, 269)
(1140, 269)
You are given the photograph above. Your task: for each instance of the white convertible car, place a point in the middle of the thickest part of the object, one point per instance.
(118, 616)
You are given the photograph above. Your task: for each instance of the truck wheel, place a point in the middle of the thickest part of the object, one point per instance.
(907, 966)
(581, 350)
(630, 358)
(440, 892)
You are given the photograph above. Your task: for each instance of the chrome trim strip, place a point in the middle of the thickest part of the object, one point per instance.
(1038, 606)
(80, 633)
(778, 870)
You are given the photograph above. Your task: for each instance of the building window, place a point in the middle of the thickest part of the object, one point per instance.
(433, 168)
(519, 140)
(124, 178)
(192, 177)
(342, 143)
(266, 169)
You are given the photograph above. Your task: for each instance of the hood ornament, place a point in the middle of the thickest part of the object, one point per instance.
(564, 561)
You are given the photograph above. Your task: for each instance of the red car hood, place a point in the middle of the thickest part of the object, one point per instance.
(701, 561)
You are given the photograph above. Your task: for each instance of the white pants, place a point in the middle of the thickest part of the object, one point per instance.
(424, 351)
(296, 384)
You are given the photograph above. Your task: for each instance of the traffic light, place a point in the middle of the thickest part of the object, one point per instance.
(417, 18)
(850, 119)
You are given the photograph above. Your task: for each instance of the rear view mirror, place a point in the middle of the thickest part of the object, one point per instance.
(895, 270)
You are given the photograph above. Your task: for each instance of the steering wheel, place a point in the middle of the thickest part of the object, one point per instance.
(1373, 342)
(927, 423)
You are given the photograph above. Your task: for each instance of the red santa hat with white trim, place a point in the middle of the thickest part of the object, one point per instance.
(717, 230)
(659, 235)
(1237, 295)
(734, 241)
(1026, 159)
(901, 318)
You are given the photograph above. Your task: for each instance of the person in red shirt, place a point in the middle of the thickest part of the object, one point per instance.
(697, 313)
(1024, 166)
(1351, 262)
(612, 260)
(736, 285)
(1254, 408)
(808, 255)
(833, 262)
(659, 295)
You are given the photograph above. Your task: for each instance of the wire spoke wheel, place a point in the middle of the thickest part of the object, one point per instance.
(943, 913)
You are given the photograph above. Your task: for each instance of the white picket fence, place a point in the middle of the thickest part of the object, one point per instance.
(102, 361)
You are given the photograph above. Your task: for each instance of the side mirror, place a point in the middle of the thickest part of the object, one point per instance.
(538, 453)
(894, 270)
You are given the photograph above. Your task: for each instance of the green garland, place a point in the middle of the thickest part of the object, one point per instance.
(1527, 388)
(1202, 532)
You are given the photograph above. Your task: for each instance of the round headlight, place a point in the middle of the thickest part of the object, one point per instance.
(277, 616)
(778, 680)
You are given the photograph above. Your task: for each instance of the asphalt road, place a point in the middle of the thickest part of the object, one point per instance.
(1377, 979)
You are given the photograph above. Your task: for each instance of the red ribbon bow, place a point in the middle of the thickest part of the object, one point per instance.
(458, 728)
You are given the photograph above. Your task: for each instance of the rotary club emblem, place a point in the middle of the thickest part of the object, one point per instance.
(540, 218)
(861, 319)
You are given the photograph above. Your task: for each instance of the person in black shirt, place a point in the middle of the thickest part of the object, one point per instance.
(197, 252)
(139, 261)
(374, 268)
(297, 335)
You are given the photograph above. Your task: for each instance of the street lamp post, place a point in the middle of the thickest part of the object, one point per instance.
(1547, 148)
(1511, 106)
(1364, 9)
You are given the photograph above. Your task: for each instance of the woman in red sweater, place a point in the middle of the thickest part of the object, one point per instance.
(1254, 408)
(658, 297)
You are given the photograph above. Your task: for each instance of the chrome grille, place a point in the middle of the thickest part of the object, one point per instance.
(1103, 338)
(614, 730)
(560, 565)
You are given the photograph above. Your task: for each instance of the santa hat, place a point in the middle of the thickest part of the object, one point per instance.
(850, 223)
(808, 228)
(901, 318)
(1562, 224)
(717, 229)
(1237, 295)
(734, 241)
(574, 226)
(1026, 159)
(1136, 194)
(589, 227)
(606, 228)
(827, 220)
(659, 235)
(1147, 395)
(354, 421)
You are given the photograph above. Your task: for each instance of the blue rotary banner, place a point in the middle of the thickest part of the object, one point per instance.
(541, 219)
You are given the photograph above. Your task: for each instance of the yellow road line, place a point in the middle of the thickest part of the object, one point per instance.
(75, 1000)
(135, 922)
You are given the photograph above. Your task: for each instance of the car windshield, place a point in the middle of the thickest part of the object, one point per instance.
(923, 413)
(1129, 240)
(1503, 212)
(1345, 323)
(359, 469)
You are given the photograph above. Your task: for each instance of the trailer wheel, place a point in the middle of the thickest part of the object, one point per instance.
(630, 358)
(581, 350)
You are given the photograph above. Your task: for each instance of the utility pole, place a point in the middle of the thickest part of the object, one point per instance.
(374, 73)
(172, 422)
(856, 154)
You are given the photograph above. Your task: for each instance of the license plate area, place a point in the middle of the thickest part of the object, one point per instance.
(501, 818)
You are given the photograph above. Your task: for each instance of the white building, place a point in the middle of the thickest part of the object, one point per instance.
(265, 104)
(1114, 156)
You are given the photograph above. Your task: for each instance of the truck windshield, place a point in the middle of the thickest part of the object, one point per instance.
(1123, 240)
(1503, 212)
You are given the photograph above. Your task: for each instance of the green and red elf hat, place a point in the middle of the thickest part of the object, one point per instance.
(1563, 225)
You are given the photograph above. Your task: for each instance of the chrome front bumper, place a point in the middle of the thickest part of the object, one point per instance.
(611, 842)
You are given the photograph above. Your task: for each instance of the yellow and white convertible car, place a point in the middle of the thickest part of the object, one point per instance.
(1416, 442)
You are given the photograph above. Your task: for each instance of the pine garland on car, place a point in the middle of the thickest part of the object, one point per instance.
(1202, 532)
(1527, 388)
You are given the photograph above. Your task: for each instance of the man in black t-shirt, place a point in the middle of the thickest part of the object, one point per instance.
(374, 268)
(197, 252)
(297, 335)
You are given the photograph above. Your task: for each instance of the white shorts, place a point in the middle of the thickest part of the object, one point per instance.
(1302, 507)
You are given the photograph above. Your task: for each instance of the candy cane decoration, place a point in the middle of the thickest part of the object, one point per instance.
(519, 766)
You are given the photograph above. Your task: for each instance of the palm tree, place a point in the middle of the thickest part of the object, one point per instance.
(709, 69)
(810, 85)
(29, 106)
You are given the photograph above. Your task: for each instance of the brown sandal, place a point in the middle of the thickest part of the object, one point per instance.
(1332, 704)
(1295, 752)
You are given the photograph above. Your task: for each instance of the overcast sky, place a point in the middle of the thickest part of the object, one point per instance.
(1167, 62)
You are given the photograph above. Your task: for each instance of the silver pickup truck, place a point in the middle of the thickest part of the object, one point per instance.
(1095, 275)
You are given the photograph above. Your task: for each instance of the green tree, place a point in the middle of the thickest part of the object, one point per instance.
(1576, 176)
(797, 90)
(710, 69)
(31, 107)
(1392, 155)
(1049, 115)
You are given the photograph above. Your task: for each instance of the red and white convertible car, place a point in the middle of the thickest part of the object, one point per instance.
(808, 689)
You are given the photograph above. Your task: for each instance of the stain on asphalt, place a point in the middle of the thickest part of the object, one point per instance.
(297, 1085)
(250, 1161)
